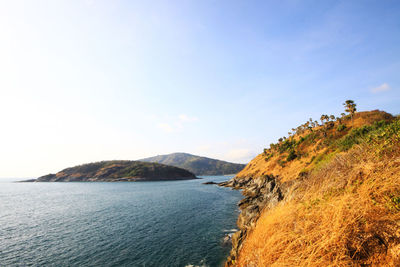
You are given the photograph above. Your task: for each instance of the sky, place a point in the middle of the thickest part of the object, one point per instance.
(84, 81)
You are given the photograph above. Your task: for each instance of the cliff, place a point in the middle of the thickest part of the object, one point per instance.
(196, 164)
(329, 195)
(115, 171)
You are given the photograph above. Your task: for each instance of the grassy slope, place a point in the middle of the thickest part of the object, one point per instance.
(310, 151)
(344, 209)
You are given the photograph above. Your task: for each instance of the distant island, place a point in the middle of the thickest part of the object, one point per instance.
(196, 164)
(118, 171)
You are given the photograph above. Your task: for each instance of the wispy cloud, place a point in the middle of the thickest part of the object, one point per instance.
(176, 124)
(238, 150)
(166, 127)
(382, 88)
(240, 155)
(186, 118)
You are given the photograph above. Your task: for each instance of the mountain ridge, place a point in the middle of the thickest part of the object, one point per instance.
(197, 164)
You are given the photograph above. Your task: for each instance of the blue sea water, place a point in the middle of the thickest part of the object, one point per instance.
(174, 223)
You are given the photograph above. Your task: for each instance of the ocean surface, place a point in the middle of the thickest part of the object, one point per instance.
(175, 223)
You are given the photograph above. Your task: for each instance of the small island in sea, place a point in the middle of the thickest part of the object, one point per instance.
(118, 171)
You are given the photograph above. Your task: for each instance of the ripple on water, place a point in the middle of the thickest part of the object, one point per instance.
(177, 223)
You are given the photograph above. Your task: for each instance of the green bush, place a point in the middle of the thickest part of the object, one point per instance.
(292, 155)
(287, 145)
(341, 127)
(380, 129)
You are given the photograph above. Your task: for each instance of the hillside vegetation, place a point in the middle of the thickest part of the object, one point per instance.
(339, 196)
(118, 170)
(196, 164)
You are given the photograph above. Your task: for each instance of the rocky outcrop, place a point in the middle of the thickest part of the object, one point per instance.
(260, 193)
(211, 182)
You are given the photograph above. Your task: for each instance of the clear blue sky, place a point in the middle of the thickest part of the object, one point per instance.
(83, 81)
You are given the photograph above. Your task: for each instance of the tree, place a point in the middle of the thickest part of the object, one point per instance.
(332, 117)
(350, 107)
(322, 119)
(308, 126)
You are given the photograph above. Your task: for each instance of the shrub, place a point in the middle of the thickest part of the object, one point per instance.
(354, 137)
(366, 132)
(292, 155)
(341, 127)
(281, 163)
(287, 145)
(329, 125)
(268, 156)
(301, 140)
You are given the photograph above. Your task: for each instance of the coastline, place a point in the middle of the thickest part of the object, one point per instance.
(97, 180)
(258, 194)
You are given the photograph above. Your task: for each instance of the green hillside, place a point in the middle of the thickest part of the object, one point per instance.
(118, 170)
(196, 164)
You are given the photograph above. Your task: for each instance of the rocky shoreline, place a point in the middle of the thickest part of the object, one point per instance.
(259, 193)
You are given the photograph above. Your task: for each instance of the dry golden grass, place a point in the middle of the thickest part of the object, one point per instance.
(346, 213)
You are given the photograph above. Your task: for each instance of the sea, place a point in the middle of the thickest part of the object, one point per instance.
(170, 223)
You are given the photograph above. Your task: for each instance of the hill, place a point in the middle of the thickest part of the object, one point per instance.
(118, 170)
(326, 195)
(196, 164)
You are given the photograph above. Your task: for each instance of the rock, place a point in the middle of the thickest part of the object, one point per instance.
(260, 193)
(227, 241)
(211, 182)
(27, 181)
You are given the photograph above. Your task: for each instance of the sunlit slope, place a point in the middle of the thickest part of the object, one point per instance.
(292, 157)
(342, 207)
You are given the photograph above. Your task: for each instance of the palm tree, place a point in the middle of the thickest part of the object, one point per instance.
(308, 126)
(350, 107)
(322, 119)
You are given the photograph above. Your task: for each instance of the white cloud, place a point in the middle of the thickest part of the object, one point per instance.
(382, 88)
(237, 150)
(240, 155)
(186, 118)
(177, 124)
(166, 127)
